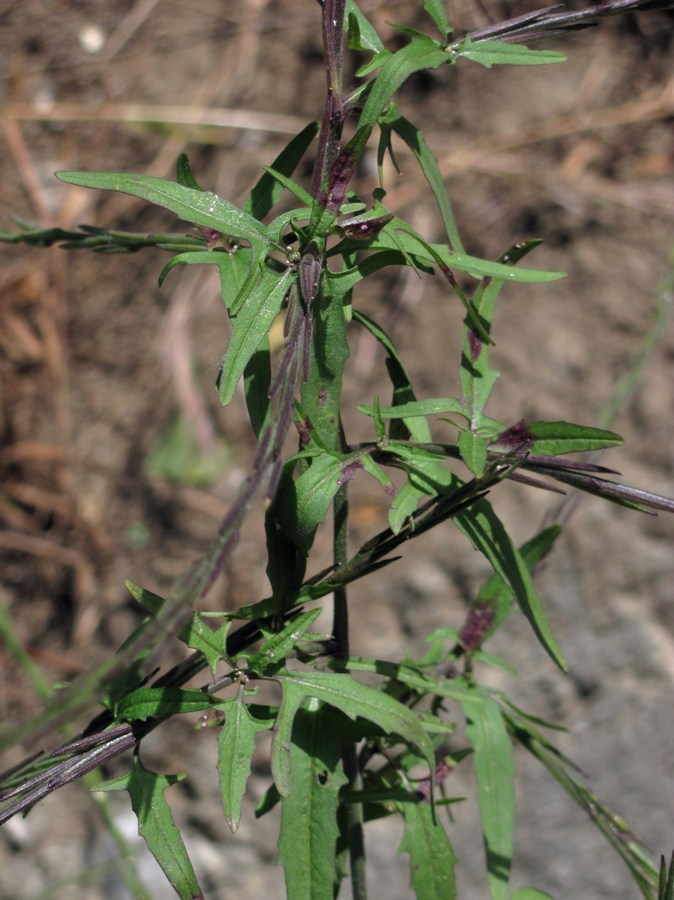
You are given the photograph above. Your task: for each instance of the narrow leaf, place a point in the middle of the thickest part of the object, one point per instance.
(198, 207)
(486, 532)
(491, 53)
(146, 703)
(495, 773)
(250, 327)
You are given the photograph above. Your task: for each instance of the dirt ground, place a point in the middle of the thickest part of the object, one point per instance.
(103, 373)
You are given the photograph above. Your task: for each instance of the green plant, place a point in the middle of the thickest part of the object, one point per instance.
(345, 751)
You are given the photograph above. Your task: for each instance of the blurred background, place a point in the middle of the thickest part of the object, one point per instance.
(118, 463)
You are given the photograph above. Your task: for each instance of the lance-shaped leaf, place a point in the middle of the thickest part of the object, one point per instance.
(555, 438)
(236, 745)
(485, 531)
(353, 699)
(421, 53)
(148, 702)
(156, 826)
(461, 262)
(432, 857)
(199, 207)
(495, 774)
(494, 600)
(493, 53)
(309, 829)
(251, 325)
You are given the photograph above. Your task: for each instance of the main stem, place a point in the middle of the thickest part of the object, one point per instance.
(329, 146)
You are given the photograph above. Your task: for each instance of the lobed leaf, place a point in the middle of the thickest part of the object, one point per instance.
(309, 828)
(432, 857)
(156, 826)
(354, 700)
(236, 745)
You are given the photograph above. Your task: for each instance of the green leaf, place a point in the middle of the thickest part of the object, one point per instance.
(461, 262)
(491, 53)
(303, 503)
(361, 34)
(156, 825)
(485, 531)
(195, 634)
(147, 702)
(257, 382)
(416, 141)
(296, 189)
(267, 192)
(275, 649)
(555, 438)
(432, 857)
(309, 829)
(473, 449)
(403, 391)
(251, 325)
(421, 53)
(416, 408)
(495, 599)
(476, 375)
(321, 394)
(198, 207)
(236, 745)
(495, 774)
(353, 699)
(184, 174)
(436, 10)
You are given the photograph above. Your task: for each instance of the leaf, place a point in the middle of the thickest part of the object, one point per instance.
(554, 438)
(156, 825)
(491, 53)
(184, 174)
(432, 857)
(485, 531)
(494, 601)
(353, 699)
(195, 634)
(495, 773)
(251, 325)
(267, 192)
(198, 207)
(362, 35)
(257, 382)
(275, 649)
(236, 745)
(420, 53)
(309, 829)
(436, 10)
(417, 408)
(476, 375)
(417, 143)
(403, 391)
(462, 262)
(303, 503)
(147, 702)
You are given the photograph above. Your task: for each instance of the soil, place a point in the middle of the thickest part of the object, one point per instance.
(103, 373)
